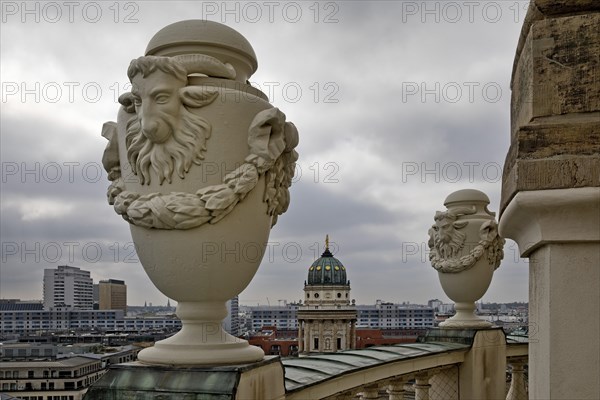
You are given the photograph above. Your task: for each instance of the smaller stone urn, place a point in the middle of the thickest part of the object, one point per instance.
(465, 250)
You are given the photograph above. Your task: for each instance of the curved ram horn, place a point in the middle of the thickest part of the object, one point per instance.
(207, 65)
(493, 214)
(457, 212)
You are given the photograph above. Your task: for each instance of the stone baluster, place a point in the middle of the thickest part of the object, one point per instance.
(370, 392)
(396, 390)
(517, 390)
(422, 386)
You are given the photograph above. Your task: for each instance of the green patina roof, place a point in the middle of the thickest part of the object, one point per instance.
(302, 372)
(327, 270)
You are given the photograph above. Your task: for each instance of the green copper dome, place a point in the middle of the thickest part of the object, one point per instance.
(327, 270)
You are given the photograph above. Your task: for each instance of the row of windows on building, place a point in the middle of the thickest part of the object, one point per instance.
(51, 397)
(67, 385)
(369, 316)
(46, 373)
(21, 322)
(8, 353)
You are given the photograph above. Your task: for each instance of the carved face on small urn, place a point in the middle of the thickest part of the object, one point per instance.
(465, 250)
(199, 237)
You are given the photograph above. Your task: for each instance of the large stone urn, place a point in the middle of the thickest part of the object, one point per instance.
(465, 250)
(200, 165)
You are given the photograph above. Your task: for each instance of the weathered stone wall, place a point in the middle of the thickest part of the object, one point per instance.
(555, 107)
(551, 192)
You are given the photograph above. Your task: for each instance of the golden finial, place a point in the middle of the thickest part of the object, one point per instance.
(326, 241)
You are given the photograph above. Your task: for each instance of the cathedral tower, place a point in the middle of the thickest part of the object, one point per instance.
(327, 320)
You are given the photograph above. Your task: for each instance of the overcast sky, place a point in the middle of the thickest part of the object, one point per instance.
(397, 103)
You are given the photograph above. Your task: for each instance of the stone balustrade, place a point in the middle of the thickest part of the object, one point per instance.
(439, 383)
(444, 365)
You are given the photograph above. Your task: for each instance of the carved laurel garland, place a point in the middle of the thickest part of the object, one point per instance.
(489, 241)
(271, 140)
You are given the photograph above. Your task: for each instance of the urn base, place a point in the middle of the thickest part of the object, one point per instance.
(190, 354)
(465, 318)
(201, 341)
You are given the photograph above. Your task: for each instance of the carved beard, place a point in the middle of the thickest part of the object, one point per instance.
(451, 247)
(185, 146)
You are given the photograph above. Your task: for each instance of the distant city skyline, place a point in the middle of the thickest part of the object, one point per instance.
(280, 302)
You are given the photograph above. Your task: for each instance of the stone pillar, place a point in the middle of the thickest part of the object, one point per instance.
(558, 230)
(550, 193)
(261, 383)
(306, 336)
(308, 328)
(320, 336)
(335, 336)
(517, 390)
(348, 338)
(483, 373)
(353, 335)
(300, 337)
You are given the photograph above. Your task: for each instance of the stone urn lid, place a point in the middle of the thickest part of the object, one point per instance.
(196, 36)
(468, 196)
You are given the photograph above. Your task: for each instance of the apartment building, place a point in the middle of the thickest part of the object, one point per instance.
(39, 321)
(68, 287)
(63, 379)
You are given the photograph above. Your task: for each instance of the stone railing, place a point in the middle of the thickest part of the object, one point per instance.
(446, 364)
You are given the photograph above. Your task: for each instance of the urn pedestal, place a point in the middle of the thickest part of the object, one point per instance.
(465, 250)
(200, 164)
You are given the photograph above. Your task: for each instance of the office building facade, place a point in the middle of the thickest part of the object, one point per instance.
(112, 295)
(68, 287)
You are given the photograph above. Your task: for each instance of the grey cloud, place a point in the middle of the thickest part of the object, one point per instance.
(368, 54)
